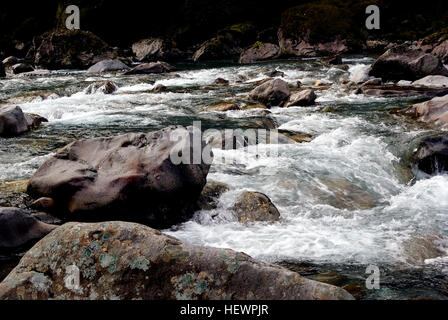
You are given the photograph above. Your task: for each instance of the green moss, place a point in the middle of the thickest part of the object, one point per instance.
(258, 45)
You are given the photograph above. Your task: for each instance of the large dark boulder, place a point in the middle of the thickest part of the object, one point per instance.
(260, 52)
(67, 49)
(154, 49)
(152, 67)
(406, 63)
(21, 68)
(130, 177)
(441, 51)
(273, 92)
(19, 230)
(304, 47)
(108, 65)
(14, 122)
(228, 43)
(316, 29)
(215, 49)
(126, 261)
(431, 155)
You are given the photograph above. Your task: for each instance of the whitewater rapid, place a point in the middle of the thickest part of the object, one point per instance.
(346, 197)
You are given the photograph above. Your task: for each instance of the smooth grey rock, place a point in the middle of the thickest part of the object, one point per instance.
(108, 65)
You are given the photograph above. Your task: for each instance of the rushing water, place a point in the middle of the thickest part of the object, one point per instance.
(347, 199)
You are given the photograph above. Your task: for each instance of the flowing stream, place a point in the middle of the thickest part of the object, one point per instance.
(348, 198)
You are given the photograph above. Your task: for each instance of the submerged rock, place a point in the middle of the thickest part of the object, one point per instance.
(434, 111)
(405, 63)
(209, 197)
(221, 82)
(254, 106)
(431, 155)
(271, 93)
(159, 88)
(19, 230)
(334, 60)
(400, 90)
(14, 122)
(297, 137)
(152, 67)
(419, 248)
(255, 206)
(129, 177)
(108, 65)
(302, 98)
(342, 194)
(106, 87)
(275, 73)
(260, 52)
(373, 82)
(223, 107)
(125, 261)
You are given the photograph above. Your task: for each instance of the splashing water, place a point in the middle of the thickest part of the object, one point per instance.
(346, 198)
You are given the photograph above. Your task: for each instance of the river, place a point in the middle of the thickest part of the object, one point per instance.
(348, 198)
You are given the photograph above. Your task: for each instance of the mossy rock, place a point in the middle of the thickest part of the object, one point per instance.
(255, 206)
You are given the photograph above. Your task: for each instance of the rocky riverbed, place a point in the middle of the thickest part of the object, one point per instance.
(343, 191)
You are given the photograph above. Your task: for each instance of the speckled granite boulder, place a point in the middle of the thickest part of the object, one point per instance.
(118, 260)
